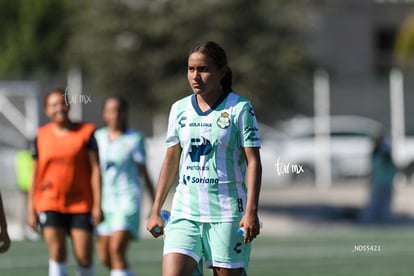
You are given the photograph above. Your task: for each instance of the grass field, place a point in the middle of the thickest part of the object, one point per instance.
(344, 252)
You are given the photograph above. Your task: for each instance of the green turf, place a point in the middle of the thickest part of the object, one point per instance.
(327, 252)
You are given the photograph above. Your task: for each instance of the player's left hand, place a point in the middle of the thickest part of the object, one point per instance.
(97, 215)
(251, 226)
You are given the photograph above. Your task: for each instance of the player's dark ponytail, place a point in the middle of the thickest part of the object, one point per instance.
(227, 80)
(123, 112)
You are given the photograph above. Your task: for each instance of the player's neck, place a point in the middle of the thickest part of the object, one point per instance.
(62, 128)
(114, 133)
(206, 101)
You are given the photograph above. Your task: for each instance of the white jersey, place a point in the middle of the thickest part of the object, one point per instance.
(212, 165)
(119, 161)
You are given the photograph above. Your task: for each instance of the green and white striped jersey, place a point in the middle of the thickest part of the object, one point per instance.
(212, 167)
(119, 161)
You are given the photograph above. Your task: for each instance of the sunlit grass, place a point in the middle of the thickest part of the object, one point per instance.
(326, 252)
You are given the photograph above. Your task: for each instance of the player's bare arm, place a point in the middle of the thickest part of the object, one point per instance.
(147, 180)
(97, 214)
(166, 179)
(250, 220)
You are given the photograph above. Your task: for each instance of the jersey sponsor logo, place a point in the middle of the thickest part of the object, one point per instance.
(186, 179)
(252, 133)
(181, 121)
(199, 147)
(197, 168)
(224, 120)
(200, 125)
(252, 137)
(110, 164)
(199, 180)
(249, 128)
(251, 111)
(240, 204)
(237, 248)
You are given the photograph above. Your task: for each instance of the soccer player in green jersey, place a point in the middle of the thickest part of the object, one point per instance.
(213, 143)
(123, 164)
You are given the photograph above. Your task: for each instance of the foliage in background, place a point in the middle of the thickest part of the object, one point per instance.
(404, 44)
(139, 48)
(33, 37)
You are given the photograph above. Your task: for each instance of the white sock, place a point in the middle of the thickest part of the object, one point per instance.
(57, 269)
(85, 271)
(121, 272)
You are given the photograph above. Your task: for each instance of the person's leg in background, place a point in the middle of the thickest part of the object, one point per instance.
(56, 242)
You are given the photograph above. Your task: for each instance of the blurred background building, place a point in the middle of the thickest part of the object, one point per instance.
(355, 42)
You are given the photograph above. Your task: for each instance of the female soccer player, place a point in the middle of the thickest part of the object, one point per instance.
(213, 141)
(122, 161)
(65, 198)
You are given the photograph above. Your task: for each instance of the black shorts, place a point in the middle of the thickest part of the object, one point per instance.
(66, 221)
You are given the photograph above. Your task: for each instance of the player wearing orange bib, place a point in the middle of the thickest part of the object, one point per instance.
(65, 197)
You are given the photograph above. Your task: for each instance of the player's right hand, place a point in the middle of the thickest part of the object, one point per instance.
(155, 226)
(33, 220)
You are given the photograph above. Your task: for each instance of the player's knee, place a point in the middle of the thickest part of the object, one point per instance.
(84, 260)
(58, 254)
(116, 251)
(105, 259)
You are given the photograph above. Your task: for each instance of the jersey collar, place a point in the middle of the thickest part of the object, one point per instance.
(208, 111)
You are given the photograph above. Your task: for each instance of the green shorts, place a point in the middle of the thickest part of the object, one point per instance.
(219, 243)
(120, 221)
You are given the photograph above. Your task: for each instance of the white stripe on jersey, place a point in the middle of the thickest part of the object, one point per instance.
(203, 203)
(225, 202)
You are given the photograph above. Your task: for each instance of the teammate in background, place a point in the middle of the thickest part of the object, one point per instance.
(378, 209)
(65, 198)
(122, 161)
(4, 235)
(213, 141)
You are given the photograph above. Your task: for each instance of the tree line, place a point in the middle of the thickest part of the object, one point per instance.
(138, 48)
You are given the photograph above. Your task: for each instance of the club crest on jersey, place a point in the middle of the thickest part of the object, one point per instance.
(224, 120)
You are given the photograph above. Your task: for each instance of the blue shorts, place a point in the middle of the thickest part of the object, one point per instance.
(120, 221)
(219, 243)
